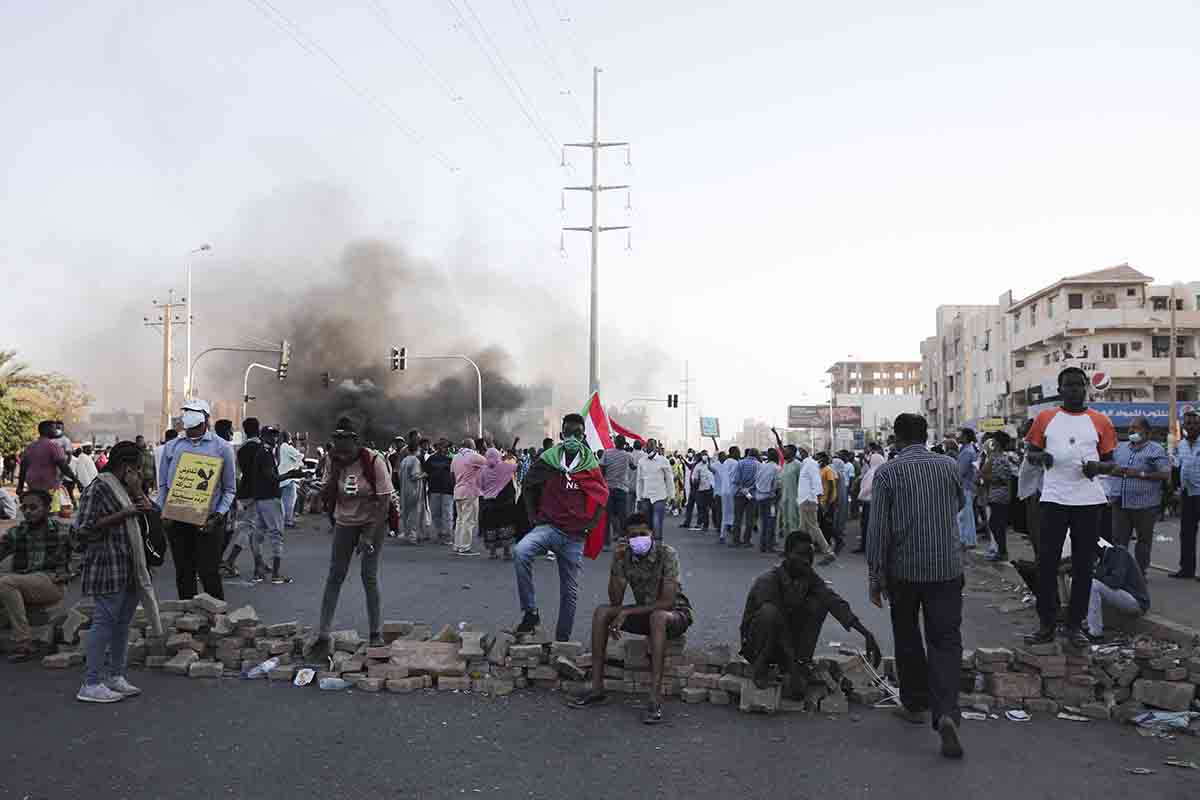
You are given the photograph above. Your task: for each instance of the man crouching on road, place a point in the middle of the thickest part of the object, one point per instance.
(651, 569)
(784, 613)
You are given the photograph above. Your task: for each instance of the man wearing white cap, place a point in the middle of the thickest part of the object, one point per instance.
(197, 548)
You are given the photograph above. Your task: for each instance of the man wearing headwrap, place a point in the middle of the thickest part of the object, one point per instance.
(196, 549)
(660, 610)
(785, 610)
(567, 498)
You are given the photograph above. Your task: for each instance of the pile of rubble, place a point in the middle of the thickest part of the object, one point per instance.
(1109, 682)
(203, 638)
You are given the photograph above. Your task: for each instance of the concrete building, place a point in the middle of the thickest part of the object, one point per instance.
(965, 366)
(876, 377)
(1113, 322)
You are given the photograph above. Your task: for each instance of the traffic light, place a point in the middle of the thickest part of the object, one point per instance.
(399, 359)
(326, 379)
(285, 357)
(672, 401)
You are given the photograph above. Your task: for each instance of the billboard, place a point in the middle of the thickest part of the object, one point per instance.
(710, 427)
(818, 416)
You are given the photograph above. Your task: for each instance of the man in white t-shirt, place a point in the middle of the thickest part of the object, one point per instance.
(1074, 444)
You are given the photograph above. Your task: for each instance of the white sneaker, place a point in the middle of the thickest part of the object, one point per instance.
(550, 557)
(122, 687)
(467, 552)
(98, 693)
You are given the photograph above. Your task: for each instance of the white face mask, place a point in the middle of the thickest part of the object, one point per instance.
(1135, 437)
(191, 418)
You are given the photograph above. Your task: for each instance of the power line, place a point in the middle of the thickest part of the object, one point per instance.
(309, 44)
(511, 83)
(535, 32)
(565, 20)
(455, 97)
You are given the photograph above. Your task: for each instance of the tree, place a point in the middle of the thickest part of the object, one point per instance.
(27, 397)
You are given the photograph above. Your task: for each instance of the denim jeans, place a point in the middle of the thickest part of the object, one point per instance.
(1104, 595)
(346, 539)
(568, 552)
(766, 523)
(109, 635)
(247, 535)
(657, 512)
(289, 503)
(267, 518)
(441, 509)
(966, 520)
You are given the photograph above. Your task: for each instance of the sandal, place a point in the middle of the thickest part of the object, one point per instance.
(653, 715)
(592, 697)
(229, 571)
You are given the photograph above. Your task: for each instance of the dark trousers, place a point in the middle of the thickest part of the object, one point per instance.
(691, 507)
(1127, 521)
(929, 668)
(704, 500)
(743, 517)
(783, 639)
(1189, 516)
(714, 510)
(766, 524)
(196, 550)
(998, 525)
(1084, 524)
(618, 512)
(864, 523)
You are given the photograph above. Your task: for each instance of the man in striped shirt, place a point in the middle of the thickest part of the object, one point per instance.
(915, 558)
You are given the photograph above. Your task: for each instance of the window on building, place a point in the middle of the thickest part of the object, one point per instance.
(1019, 363)
(899, 376)
(1179, 304)
(1049, 308)
(987, 339)
(1033, 315)
(1017, 322)
(1131, 292)
(987, 376)
(1159, 303)
(1115, 350)
(898, 390)
(878, 390)
(949, 383)
(876, 375)
(1075, 300)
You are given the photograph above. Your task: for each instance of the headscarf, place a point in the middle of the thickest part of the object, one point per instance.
(495, 475)
(876, 461)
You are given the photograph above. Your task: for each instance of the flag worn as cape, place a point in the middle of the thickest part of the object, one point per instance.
(590, 479)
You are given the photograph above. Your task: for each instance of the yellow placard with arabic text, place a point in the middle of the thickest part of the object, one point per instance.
(196, 480)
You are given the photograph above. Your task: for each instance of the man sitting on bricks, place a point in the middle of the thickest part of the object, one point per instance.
(784, 613)
(41, 553)
(661, 611)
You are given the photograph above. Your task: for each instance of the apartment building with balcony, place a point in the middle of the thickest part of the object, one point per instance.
(1113, 321)
(876, 377)
(965, 366)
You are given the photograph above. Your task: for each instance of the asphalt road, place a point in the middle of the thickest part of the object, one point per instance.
(229, 738)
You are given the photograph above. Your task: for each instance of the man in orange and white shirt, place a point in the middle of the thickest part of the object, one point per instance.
(1074, 444)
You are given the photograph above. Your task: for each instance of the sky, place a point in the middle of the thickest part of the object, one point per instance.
(810, 180)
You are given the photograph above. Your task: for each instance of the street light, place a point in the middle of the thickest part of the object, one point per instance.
(187, 378)
(399, 358)
(246, 396)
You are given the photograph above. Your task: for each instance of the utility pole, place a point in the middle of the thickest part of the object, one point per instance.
(1173, 424)
(687, 407)
(187, 378)
(166, 320)
(595, 229)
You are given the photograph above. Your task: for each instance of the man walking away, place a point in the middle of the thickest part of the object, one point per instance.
(197, 548)
(248, 532)
(44, 463)
(831, 498)
(727, 466)
(915, 558)
(289, 460)
(766, 495)
(744, 477)
(656, 485)
(411, 480)
(466, 466)
(440, 480)
(84, 467)
(703, 485)
(566, 498)
(617, 464)
(1070, 441)
(808, 495)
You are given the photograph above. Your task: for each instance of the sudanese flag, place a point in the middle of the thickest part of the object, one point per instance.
(587, 475)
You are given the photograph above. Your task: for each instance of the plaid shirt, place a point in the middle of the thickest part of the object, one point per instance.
(43, 549)
(107, 564)
(1136, 492)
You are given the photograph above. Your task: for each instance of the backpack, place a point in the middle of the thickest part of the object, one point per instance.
(366, 462)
